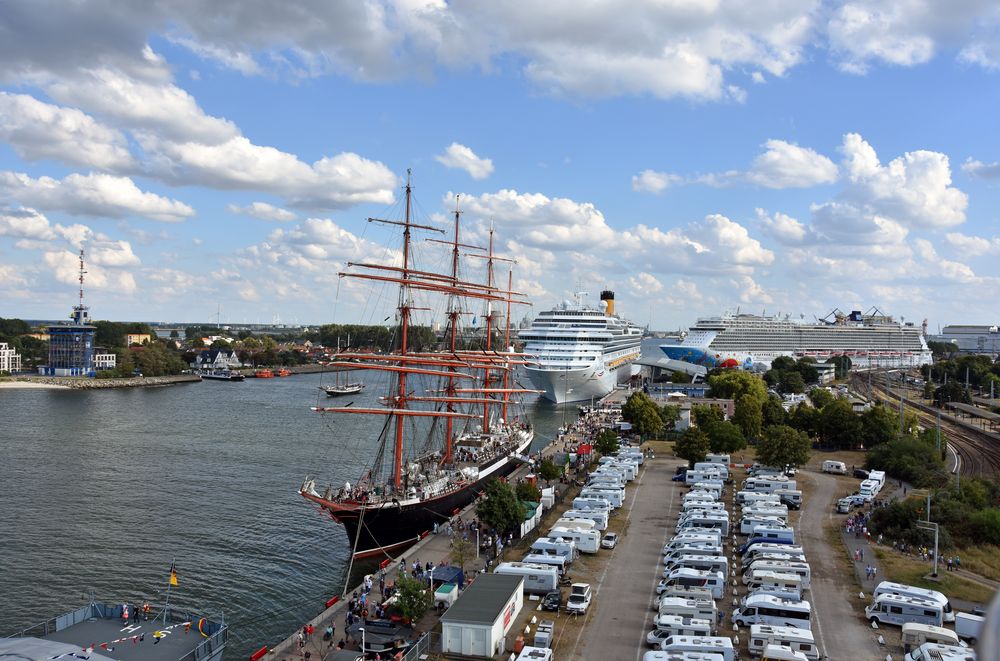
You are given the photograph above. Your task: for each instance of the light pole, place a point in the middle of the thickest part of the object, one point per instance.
(477, 542)
(363, 652)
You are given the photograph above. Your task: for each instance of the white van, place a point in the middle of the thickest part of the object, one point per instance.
(748, 524)
(898, 609)
(614, 496)
(756, 497)
(835, 467)
(709, 563)
(702, 609)
(800, 569)
(799, 640)
(675, 625)
(599, 504)
(765, 609)
(939, 652)
(791, 498)
(538, 579)
(563, 547)
(714, 581)
(764, 580)
(888, 587)
(705, 644)
(599, 518)
(914, 635)
(587, 541)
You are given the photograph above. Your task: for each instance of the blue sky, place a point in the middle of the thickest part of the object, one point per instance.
(694, 156)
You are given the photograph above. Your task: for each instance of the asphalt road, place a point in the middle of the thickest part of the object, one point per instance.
(621, 615)
(839, 628)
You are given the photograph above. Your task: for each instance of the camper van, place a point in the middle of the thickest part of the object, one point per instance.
(790, 498)
(799, 640)
(765, 609)
(714, 581)
(694, 475)
(561, 547)
(709, 644)
(784, 549)
(551, 560)
(587, 541)
(898, 609)
(703, 505)
(774, 534)
(782, 653)
(675, 625)
(718, 459)
(586, 524)
(939, 652)
(888, 587)
(599, 518)
(702, 609)
(768, 484)
(600, 504)
(800, 569)
(715, 520)
(756, 540)
(744, 497)
(771, 556)
(877, 476)
(614, 496)
(869, 489)
(538, 579)
(709, 563)
(680, 591)
(632, 454)
(749, 524)
(714, 487)
(660, 655)
(712, 467)
(835, 467)
(914, 635)
(703, 548)
(765, 580)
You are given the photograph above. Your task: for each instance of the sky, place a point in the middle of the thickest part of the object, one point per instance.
(218, 160)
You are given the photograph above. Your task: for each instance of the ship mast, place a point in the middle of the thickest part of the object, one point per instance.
(404, 327)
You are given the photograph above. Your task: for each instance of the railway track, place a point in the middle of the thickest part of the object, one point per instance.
(978, 451)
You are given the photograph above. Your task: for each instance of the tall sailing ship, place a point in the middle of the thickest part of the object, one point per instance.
(445, 425)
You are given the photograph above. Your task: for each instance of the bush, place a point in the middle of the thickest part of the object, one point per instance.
(910, 459)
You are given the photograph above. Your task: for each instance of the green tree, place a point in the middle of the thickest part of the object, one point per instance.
(820, 397)
(791, 382)
(174, 334)
(782, 363)
(634, 405)
(413, 599)
(109, 334)
(879, 424)
(669, 415)
(773, 412)
(221, 345)
(725, 437)
(806, 367)
(693, 445)
(804, 418)
(749, 416)
(783, 446)
(500, 508)
(606, 442)
(648, 422)
(734, 384)
(11, 328)
(912, 459)
(928, 389)
(842, 366)
(547, 469)
(838, 426)
(706, 414)
(528, 492)
(462, 550)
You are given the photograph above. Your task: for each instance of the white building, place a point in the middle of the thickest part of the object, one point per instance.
(105, 361)
(10, 360)
(477, 623)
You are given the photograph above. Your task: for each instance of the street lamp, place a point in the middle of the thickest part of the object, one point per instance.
(477, 542)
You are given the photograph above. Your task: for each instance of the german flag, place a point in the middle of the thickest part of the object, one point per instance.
(173, 575)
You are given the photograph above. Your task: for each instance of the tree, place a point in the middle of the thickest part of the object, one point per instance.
(693, 445)
(669, 415)
(783, 446)
(500, 508)
(749, 414)
(773, 412)
(547, 469)
(606, 442)
(528, 492)
(734, 384)
(878, 425)
(706, 414)
(928, 389)
(805, 418)
(174, 334)
(412, 599)
(11, 328)
(462, 550)
(838, 426)
(725, 437)
(782, 363)
(806, 367)
(842, 366)
(648, 422)
(820, 397)
(791, 382)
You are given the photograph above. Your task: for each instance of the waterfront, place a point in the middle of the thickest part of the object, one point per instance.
(102, 489)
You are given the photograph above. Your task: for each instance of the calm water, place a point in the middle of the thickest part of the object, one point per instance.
(100, 490)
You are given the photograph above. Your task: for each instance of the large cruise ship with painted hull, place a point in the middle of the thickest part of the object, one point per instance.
(578, 352)
(752, 341)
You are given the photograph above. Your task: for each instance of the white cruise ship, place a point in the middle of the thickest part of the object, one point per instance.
(578, 352)
(753, 341)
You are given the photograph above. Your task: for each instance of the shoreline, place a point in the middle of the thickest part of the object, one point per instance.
(31, 385)
(85, 383)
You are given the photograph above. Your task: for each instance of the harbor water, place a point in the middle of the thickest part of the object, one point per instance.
(103, 489)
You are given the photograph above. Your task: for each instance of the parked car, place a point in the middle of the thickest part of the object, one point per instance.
(679, 477)
(552, 601)
(861, 473)
(610, 540)
(579, 598)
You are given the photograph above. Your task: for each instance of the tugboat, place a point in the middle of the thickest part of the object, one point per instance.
(263, 373)
(422, 471)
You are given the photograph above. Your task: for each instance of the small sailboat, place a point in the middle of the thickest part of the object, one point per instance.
(342, 387)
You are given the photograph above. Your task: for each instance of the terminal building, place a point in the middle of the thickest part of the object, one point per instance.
(971, 339)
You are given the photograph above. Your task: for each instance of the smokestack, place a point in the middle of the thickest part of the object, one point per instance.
(608, 297)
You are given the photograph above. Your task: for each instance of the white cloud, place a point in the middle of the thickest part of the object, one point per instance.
(751, 292)
(92, 195)
(12, 277)
(947, 269)
(651, 181)
(644, 284)
(25, 224)
(38, 130)
(786, 165)
(111, 253)
(985, 54)
(782, 227)
(973, 246)
(461, 157)
(861, 34)
(64, 266)
(263, 211)
(981, 170)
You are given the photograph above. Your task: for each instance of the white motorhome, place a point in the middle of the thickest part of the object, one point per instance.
(914, 635)
(877, 476)
(939, 652)
(757, 549)
(702, 609)
(660, 655)
(705, 520)
(835, 467)
(675, 625)
(551, 560)
(714, 581)
(714, 487)
(600, 504)
(682, 592)
(599, 518)
(800, 569)
(562, 547)
(703, 644)
(538, 579)
(703, 562)
(703, 505)
(799, 640)
(744, 497)
(718, 459)
(614, 496)
(680, 538)
(774, 533)
(694, 475)
(765, 509)
(888, 587)
(704, 548)
(768, 484)
(765, 581)
(765, 609)
(586, 524)
(713, 467)
(791, 498)
(749, 524)
(772, 556)
(869, 489)
(587, 541)
(898, 609)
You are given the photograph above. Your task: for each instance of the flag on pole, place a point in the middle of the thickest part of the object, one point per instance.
(173, 575)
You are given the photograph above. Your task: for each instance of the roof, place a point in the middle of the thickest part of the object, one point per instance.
(484, 599)
(37, 648)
